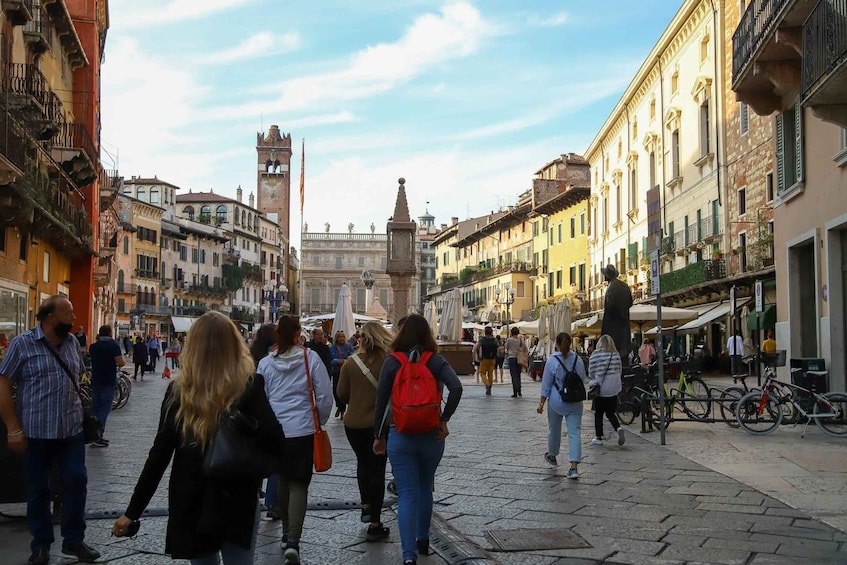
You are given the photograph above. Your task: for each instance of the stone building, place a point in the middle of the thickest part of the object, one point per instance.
(427, 230)
(273, 181)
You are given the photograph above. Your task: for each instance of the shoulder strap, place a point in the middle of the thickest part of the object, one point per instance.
(311, 389)
(64, 365)
(365, 371)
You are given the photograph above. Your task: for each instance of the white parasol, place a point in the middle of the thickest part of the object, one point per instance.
(450, 328)
(343, 321)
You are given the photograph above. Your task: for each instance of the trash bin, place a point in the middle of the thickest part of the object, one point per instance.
(808, 363)
(816, 381)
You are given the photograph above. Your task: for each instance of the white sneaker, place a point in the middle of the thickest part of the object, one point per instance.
(621, 437)
(573, 473)
(596, 441)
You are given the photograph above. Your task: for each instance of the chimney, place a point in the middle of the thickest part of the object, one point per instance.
(454, 220)
(251, 200)
(238, 193)
(443, 227)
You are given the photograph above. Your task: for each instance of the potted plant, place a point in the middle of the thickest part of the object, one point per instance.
(716, 252)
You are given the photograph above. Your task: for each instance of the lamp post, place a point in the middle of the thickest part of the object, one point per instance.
(508, 298)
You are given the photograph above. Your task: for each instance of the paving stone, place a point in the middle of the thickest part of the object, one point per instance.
(751, 545)
(736, 508)
(714, 556)
(623, 558)
(771, 531)
(768, 559)
(685, 539)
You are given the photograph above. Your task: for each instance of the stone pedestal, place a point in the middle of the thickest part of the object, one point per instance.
(401, 286)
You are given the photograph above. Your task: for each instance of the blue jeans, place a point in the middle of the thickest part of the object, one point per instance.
(270, 491)
(101, 404)
(414, 459)
(69, 455)
(554, 434)
(232, 554)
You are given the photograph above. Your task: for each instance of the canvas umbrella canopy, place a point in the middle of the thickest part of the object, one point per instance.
(358, 318)
(563, 315)
(641, 314)
(343, 320)
(542, 328)
(450, 328)
(529, 328)
(431, 316)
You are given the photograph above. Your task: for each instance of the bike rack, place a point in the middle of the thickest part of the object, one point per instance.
(712, 402)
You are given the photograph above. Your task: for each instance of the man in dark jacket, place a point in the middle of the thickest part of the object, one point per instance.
(320, 346)
(616, 311)
(105, 359)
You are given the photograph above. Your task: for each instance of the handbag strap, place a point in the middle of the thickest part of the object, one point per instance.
(65, 367)
(311, 389)
(365, 371)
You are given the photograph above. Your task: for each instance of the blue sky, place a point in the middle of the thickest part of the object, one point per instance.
(466, 100)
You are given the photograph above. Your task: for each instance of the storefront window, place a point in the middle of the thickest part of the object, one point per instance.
(12, 312)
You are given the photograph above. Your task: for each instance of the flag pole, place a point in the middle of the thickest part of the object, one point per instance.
(302, 195)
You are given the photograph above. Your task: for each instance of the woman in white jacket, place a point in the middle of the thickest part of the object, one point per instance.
(604, 369)
(287, 389)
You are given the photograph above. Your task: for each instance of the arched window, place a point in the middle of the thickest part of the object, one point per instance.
(249, 223)
(205, 214)
(141, 194)
(154, 195)
(244, 218)
(268, 166)
(120, 281)
(126, 245)
(256, 223)
(188, 212)
(128, 190)
(220, 213)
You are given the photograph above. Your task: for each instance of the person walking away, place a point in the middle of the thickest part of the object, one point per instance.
(604, 370)
(562, 362)
(414, 456)
(339, 351)
(735, 350)
(646, 353)
(127, 345)
(488, 356)
(357, 388)
(319, 345)
(139, 358)
(263, 343)
(44, 422)
(154, 350)
(286, 384)
(501, 357)
(208, 519)
(475, 359)
(174, 351)
(105, 359)
(514, 344)
(769, 345)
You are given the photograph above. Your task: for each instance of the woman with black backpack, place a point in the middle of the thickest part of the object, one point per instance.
(563, 384)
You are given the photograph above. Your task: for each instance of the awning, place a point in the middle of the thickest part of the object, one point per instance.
(764, 320)
(715, 314)
(181, 324)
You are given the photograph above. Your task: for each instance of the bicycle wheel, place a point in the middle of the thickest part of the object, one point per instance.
(758, 415)
(125, 386)
(695, 400)
(653, 415)
(116, 398)
(728, 400)
(627, 412)
(833, 425)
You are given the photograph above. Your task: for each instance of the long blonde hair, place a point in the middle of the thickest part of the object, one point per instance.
(606, 343)
(375, 341)
(215, 368)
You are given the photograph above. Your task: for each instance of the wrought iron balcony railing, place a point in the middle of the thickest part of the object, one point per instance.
(27, 95)
(756, 25)
(824, 41)
(694, 274)
(12, 143)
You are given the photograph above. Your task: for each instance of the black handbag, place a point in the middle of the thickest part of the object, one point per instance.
(594, 392)
(90, 423)
(235, 452)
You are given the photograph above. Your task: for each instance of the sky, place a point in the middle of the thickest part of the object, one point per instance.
(464, 99)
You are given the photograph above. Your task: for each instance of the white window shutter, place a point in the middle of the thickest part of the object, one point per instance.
(798, 133)
(779, 157)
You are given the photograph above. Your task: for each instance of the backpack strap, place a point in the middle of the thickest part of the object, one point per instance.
(365, 371)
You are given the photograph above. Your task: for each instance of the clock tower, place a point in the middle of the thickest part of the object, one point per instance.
(273, 186)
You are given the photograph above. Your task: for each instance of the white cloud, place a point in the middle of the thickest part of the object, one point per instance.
(432, 39)
(262, 44)
(134, 14)
(548, 20)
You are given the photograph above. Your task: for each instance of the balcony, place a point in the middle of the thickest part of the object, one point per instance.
(63, 24)
(824, 80)
(27, 96)
(154, 310)
(668, 245)
(767, 50)
(208, 290)
(469, 274)
(38, 32)
(18, 12)
(12, 149)
(232, 255)
(165, 284)
(144, 274)
(110, 186)
(242, 315)
(73, 147)
(103, 272)
(709, 230)
(679, 238)
(694, 274)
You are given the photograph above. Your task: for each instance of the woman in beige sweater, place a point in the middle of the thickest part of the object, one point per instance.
(357, 388)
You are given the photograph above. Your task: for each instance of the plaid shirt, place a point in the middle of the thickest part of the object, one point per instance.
(47, 404)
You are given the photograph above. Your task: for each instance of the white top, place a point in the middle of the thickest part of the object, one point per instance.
(735, 345)
(288, 391)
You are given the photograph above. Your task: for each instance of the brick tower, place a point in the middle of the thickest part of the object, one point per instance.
(273, 178)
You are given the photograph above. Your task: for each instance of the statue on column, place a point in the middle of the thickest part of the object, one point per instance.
(616, 312)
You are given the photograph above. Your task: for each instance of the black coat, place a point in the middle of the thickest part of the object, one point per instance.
(204, 513)
(616, 315)
(139, 353)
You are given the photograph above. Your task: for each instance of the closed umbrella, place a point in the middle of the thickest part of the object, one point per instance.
(563, 315)
(343, 321)
(450, 328)
(431, 316)
(542, 328)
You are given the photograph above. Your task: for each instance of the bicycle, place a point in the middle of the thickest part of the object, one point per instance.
(760, 412)
(691, 396)
(123, 388)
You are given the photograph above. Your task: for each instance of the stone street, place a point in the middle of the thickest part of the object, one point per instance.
(712, 495)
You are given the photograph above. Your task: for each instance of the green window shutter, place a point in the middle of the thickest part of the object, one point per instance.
(780, 152)
(798, 133)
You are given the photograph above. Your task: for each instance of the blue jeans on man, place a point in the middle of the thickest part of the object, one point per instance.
(414, 459)
(101, 404)
(69, 454)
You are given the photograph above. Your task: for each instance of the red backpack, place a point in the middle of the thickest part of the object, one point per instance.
(415, 398)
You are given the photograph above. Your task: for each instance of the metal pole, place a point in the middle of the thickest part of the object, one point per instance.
(661, 353)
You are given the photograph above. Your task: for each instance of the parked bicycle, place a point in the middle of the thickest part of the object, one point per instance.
(123, 388)
(691, 396)
(760, 412)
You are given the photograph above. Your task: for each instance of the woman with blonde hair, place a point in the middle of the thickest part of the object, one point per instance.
(604, 370)
(287, 373)
(208, 518)
(357, 389)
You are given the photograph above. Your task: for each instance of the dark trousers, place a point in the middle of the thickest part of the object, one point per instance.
(515, 372)
(69, 454)
(153, 358)
(338, 404)
(735, 365)
(370, 469)
(101, 403)
(138, 367)
(605, 406)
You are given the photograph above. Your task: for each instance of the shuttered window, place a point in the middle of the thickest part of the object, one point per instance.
(789, 148)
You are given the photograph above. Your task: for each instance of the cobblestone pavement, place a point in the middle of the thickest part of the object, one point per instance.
(640, 503)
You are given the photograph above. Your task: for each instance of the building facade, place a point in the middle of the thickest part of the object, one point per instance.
(273, 181)
(788, 65)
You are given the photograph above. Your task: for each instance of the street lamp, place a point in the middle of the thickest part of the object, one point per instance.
(507, 300)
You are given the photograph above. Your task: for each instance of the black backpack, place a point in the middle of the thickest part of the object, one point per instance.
(488, 345)
(573, 389)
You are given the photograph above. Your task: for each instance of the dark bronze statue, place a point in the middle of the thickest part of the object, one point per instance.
(616, 312)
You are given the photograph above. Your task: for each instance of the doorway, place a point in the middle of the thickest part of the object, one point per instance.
(803, 300)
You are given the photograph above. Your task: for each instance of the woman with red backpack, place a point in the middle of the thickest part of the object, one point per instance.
(412, 379)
